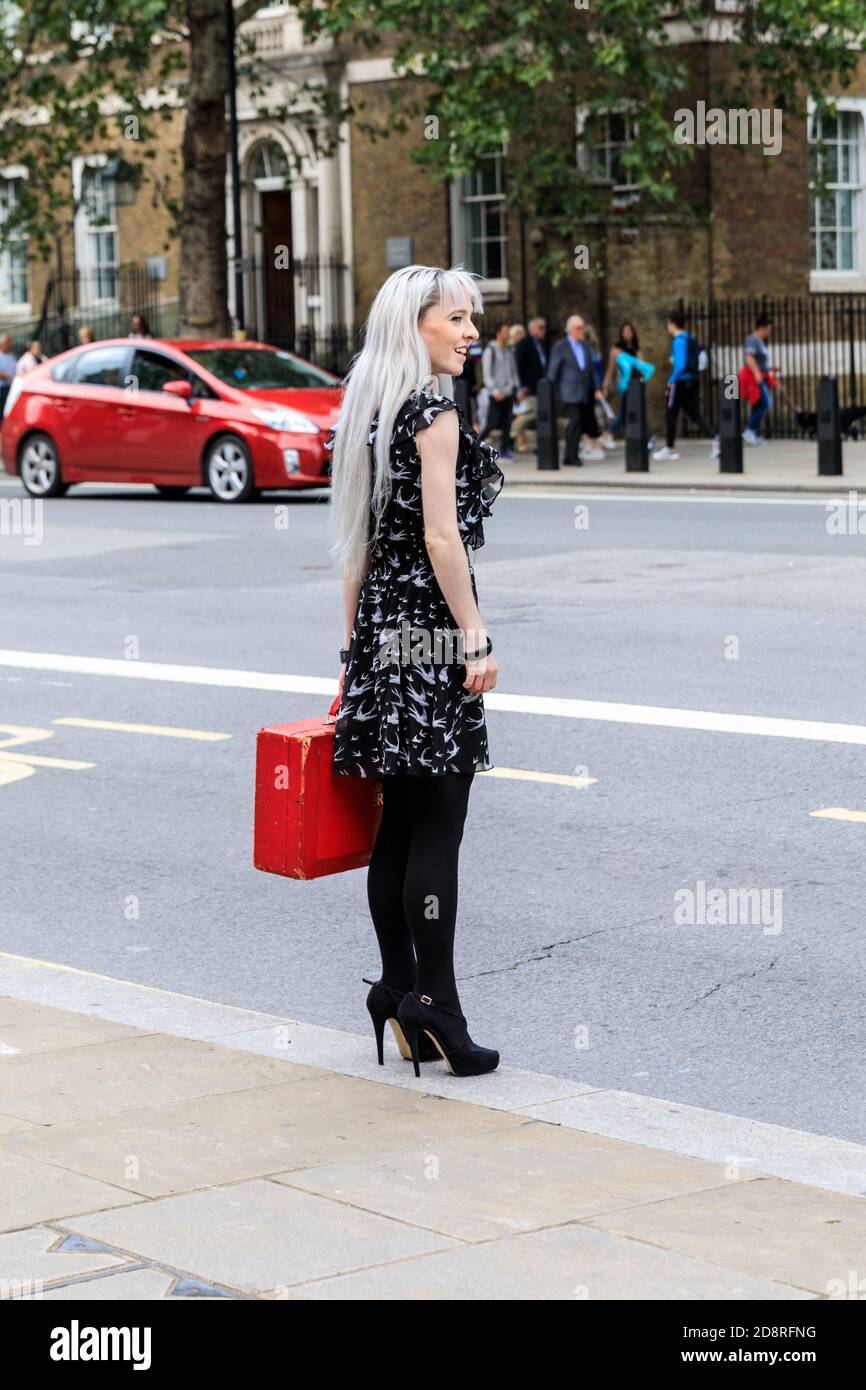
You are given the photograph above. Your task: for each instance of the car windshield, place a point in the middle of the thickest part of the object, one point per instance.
(260, 369)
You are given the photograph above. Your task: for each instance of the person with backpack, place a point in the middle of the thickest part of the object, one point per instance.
(684, 389)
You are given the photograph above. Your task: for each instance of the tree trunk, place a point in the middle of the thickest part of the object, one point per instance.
(203, 269)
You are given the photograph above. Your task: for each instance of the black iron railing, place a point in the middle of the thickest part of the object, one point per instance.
(812, 336)
(301, 305)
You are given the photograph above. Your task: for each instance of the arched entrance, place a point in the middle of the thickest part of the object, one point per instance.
(269, 177)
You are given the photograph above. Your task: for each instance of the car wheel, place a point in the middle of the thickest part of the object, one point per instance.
(172, 491)
(229, 469)
(39, 467)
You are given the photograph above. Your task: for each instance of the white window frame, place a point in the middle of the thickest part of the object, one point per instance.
(621, 192)
(84, 232)
(17, 307)
(499, 287)
(829, 280)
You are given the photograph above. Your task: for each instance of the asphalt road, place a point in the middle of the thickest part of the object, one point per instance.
(572, 958)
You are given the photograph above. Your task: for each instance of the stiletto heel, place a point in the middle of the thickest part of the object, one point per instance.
(448, 1031)
(383, 1002)
(412, 1038)
(379, 1028)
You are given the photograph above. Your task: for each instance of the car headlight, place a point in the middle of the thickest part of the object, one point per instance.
(289, 421)
(15, 389)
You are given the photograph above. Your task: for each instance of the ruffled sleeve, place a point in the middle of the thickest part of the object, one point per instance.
(483, 478)
(420, 410)
(486, 480)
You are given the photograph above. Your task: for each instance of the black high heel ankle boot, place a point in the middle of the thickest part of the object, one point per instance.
(448, 1031)
(383, 1002)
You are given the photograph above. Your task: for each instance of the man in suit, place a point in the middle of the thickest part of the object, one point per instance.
(570, 370)
(530, 356)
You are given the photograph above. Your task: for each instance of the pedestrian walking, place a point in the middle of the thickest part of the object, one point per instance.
(31, 358)
(573, 376)
(139, 327)
(757, 359)
(501, 380)
(624, 361)
(405, 515)
(684, 389)
(530, 359)
(8, 369)
(86, 334)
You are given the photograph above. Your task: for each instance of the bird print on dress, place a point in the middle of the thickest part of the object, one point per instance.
(414, 715)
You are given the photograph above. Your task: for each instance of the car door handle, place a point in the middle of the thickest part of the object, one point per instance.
(126, 413)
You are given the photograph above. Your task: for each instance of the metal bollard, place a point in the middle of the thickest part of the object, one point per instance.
(730, 434)
(545, 426)
(829, 428)
(636, 451)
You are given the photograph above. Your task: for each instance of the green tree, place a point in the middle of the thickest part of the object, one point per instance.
(516, 70)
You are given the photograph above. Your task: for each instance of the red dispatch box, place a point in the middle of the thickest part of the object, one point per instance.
(310, 821)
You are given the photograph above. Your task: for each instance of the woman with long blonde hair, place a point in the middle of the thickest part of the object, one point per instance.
(410, 486)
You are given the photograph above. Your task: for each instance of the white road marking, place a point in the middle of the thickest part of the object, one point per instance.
(669, 495)
(545, 706)
(839, 813)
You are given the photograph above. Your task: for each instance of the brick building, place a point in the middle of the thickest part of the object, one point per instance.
(745, 224)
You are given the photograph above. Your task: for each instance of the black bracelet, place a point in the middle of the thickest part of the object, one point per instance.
(344, 655)
(477, 656)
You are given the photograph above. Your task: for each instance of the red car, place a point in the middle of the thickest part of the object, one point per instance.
(235, 416)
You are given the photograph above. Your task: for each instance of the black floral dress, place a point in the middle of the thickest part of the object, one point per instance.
(404, 708)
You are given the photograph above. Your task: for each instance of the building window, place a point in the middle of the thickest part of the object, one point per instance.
(836, 160)
(482, 231)
(601, 139)
(269, 162)
(13, 255)
(96, 233)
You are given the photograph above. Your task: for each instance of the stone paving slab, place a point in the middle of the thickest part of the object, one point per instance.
(258, 1236)
(32, 1192)
(227, 1137)
(503, 1182)
(768, 1228)
(74, 1082)
(566, 1263)
(153, 1166)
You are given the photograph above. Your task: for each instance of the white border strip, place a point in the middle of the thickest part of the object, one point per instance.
(836, 1165)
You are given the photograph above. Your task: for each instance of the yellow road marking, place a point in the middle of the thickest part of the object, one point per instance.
(10, 772)
(564, 779)
(166, 731)
(14, 767)
(22, 734)
(37, 761)
(839, 813)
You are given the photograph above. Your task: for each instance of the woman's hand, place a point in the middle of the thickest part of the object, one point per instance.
(481, 675)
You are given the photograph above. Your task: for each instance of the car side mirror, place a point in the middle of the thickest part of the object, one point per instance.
(178, 388)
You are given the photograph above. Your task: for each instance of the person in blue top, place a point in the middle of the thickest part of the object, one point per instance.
(624, 361)
(684, 389)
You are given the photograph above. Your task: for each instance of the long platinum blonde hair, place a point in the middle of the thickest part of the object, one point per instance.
(393, 363)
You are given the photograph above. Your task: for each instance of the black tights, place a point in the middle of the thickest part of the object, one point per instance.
(412, 881)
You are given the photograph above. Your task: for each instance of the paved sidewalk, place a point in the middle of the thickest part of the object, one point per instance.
(138, 1164)
(787, 465)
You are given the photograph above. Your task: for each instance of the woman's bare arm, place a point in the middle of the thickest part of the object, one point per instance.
(437, 448)
(351, 591)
